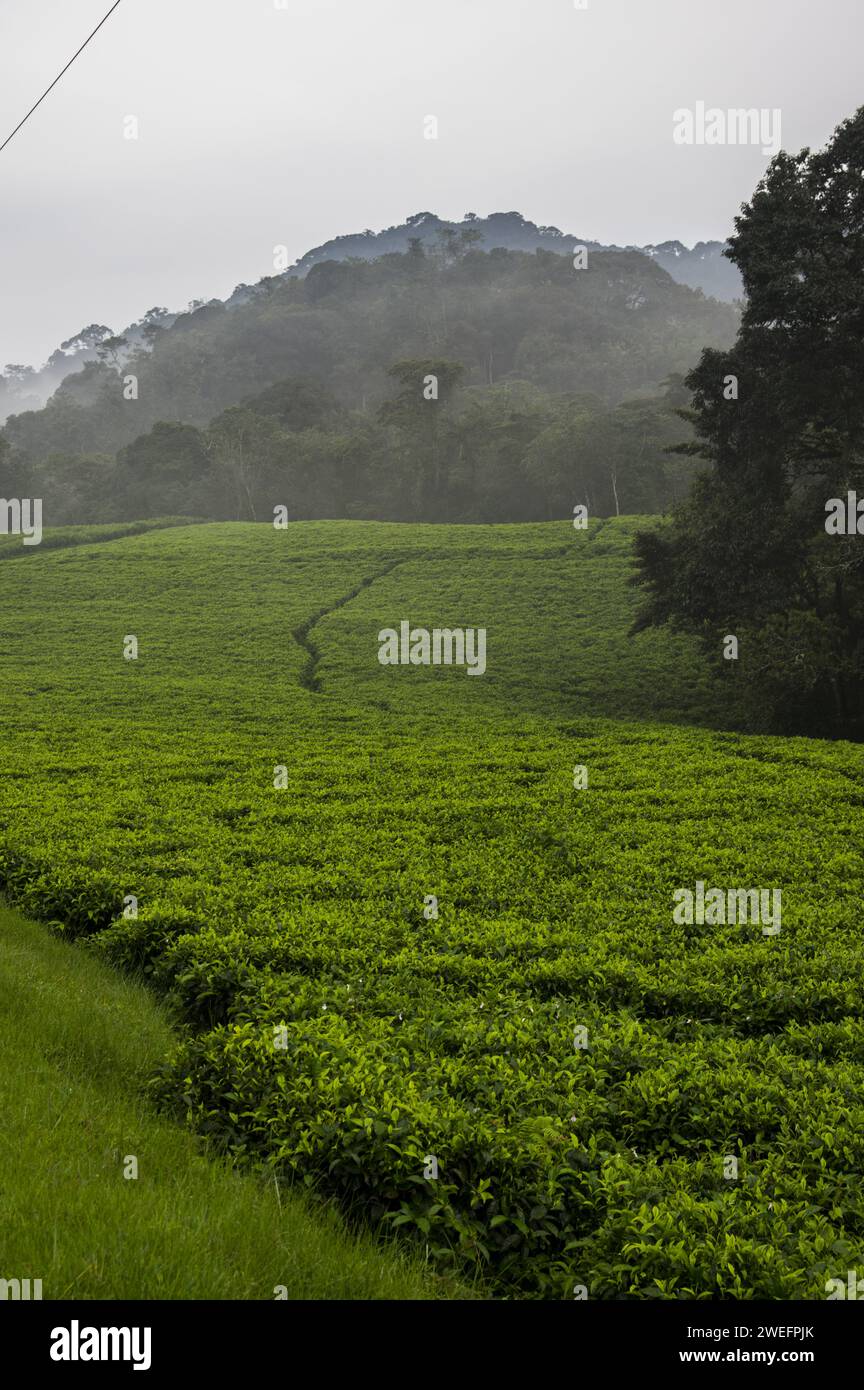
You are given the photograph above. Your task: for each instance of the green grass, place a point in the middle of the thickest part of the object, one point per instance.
(77, 1042)
(301, 907)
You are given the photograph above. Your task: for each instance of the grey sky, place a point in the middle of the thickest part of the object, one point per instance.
(261, 126)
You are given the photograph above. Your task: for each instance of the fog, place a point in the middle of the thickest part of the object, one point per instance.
(260, 126)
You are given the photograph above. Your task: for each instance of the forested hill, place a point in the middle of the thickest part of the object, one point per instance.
(702, 266)
(531, 353)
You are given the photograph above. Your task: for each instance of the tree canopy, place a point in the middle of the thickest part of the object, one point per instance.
(524, 347)
(780, 418)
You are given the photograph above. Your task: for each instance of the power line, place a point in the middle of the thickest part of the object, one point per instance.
(59, 75)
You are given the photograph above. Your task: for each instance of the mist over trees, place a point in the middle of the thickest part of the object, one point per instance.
(702, 266)
(554, 386)
(24, 388)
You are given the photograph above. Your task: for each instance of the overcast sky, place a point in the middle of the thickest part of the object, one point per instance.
(261, 126)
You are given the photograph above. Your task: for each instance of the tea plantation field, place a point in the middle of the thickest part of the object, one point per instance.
(577, 1068)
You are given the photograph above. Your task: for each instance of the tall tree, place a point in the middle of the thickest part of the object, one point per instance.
(428, 387)
(780, 418)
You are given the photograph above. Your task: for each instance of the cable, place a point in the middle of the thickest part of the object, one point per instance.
(59, 75)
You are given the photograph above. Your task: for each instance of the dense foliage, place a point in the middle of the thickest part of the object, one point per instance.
(703, 266)
(297, 911)
(750, 552)
(564, 392)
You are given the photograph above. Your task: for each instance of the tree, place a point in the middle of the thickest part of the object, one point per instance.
(296, 404)
(448, 245)
(166, 472)
(152, 324)
(416, 413)
(110, 349)
(468, 237)
(87, 339)
(240, 445)
(748, 551)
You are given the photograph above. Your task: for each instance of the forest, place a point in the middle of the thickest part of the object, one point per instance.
(439, 384)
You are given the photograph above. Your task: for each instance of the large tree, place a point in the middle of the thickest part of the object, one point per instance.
(415, 415)
(780, 418)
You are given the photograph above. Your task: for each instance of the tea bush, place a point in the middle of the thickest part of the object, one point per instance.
(297, 913)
